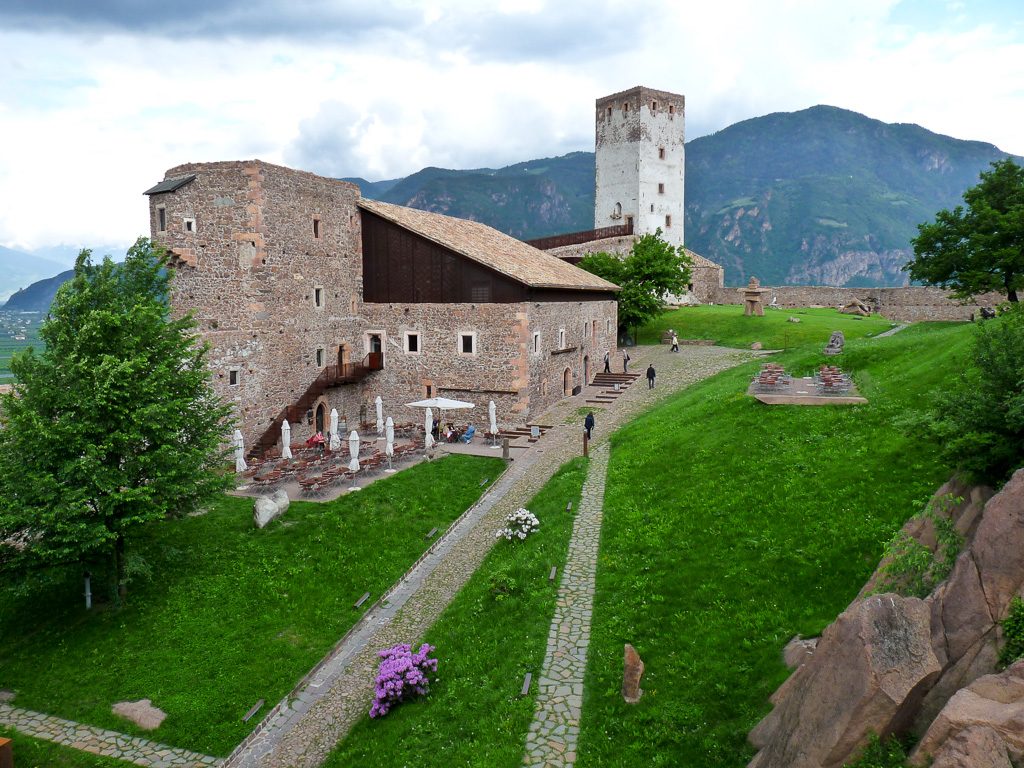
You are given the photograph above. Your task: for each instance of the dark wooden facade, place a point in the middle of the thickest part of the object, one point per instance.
(401, 267)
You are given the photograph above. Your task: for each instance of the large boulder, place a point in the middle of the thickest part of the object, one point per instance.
(992, 704)
(867, 675)
(977, 746)
(267, 508)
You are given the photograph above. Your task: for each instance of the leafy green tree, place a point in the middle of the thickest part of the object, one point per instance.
(652, 270)
(980, 419)
(113, 425)
(980, 248)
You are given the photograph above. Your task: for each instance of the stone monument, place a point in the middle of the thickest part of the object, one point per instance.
(835, 344)
(752, 304)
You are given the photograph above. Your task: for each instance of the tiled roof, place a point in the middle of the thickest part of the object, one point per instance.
(699, 261)
(491, 248)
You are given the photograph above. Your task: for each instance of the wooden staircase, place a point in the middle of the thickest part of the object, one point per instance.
(331, 376)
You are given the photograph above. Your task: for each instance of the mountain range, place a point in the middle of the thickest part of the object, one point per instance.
(823, 196)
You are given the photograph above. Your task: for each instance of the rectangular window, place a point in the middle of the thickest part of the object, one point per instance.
(161, 218)
(625, 107)
(654, 106)
(233, 377)
(467, 343)
(190, 225)
(316, 227)
(668, 221)
(318, 296)
(661, 189)
(320, 358)
(609, 111)
(661, 153)
(561, 338)
(412, 343)
(536, 341)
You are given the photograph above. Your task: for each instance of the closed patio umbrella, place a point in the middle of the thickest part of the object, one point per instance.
(380, 415)
(240, 465)
(389, 436)
(286, 440)
(428, 426)
(353, 451)
(335, 437)
(492, 414)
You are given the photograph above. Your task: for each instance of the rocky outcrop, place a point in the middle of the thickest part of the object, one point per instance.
(268, 508)
(891, 664)
(978, 746)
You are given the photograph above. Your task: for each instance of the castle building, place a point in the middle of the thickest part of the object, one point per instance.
(311, 298)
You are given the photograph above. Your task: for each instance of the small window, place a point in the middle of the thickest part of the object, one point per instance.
(661, 153)
(561, 338)
(190, 225)
(654, 106)
(467, 343)
(671, 109)
(428, 390)
(617, 211)
(661, 189)
(625, 107)
(668, 220)
(320, 358)
(609, 111)
(161, 218)
(412, 343)
(652, 207)
(233, 377)
(536, 341)
(318, 296)
(316, 227)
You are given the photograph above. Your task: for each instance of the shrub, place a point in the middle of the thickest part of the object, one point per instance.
(880, 754)
(1013, 634)
(914, 570)
(518, 525)
(402, 675)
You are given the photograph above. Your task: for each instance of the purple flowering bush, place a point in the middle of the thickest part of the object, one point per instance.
(402, 675)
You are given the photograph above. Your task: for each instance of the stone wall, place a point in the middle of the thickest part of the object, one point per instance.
(909, 304)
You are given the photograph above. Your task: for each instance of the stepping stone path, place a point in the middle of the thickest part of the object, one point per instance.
(556, 723)
(100, 741)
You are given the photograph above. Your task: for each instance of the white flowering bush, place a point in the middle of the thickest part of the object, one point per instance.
(518, 525)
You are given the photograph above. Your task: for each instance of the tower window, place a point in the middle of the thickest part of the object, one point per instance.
(668, 221)
(536, 341)
(661, 189)
(617, 211)
(561, 338)
(320, 358)
(661, 153)
(625, 107)
(609, 111)
(412, 343)
(318, 296)
(190, 225)
(654, 106)
(233, 377)
(467, 343)
(671, 112)
(161, 218)
(316, 227)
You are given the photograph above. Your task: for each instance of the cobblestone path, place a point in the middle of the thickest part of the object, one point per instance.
(556, 723)
(101, 742)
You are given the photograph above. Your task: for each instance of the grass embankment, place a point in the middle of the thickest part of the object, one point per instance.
(730, 526)
(729, 327)
(35, 753)
(231, 614)
(493, 633)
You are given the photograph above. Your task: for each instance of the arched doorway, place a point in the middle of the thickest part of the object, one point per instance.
(321, 417)
(586, 370)
(567, 382)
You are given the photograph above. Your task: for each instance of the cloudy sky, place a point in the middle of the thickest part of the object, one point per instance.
(99, 97)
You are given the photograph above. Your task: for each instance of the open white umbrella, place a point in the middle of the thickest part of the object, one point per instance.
(380, 415)
(240, 465)
(389, 435)
(492, 414)
(428, 426)
(335, 438)
(442, 404)
(353, 451)
(286, 440)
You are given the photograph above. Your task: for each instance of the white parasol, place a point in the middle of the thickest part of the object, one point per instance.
(492, 414)
(353, 451)
(286, 440)
(335, 438)
(428, 426)
(389, 435)
(442, 404)
(380, 415)
(240, 465)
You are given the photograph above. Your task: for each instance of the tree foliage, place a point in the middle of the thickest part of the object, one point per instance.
(980, 419)
(980, 248)
(112, 425)
(652, 269)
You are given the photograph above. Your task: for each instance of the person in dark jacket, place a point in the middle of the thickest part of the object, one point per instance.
(650, 376)
(588, 423)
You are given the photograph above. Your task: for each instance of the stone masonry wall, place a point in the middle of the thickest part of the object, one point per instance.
(910, 304)
(248, 271)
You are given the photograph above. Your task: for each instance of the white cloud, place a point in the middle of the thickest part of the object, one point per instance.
(91, 121)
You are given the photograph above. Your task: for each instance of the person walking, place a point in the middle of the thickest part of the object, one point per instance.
(625, 361)
(675, 342)
(588, 424)
(608, 361)
(650, 376)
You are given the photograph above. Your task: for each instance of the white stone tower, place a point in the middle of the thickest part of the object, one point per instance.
(640, 161)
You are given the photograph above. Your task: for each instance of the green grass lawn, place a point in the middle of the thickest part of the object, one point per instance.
(36, 753)
(730, 526)
(493, 633)
(230, 614)
(729, 327)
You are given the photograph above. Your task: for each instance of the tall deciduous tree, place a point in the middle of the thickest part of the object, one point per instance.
(980, 248)
(652, 270)
(112, 425)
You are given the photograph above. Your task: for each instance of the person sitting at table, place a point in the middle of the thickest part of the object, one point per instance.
(449, 434)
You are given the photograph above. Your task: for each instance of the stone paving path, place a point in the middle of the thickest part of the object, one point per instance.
(555, 730)
(100, 741)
